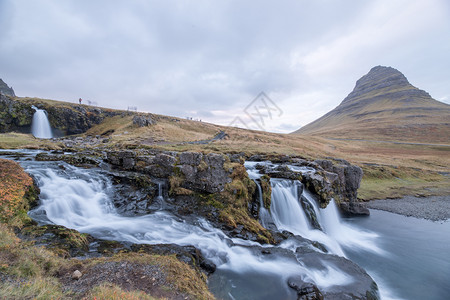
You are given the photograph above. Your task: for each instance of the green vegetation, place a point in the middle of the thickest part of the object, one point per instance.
(36, 272)
(13, 140)
(381, 182)
(235, 198)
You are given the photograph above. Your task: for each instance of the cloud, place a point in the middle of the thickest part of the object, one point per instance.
(210, 59)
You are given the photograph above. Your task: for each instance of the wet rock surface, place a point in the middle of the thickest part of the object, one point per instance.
(350, 209)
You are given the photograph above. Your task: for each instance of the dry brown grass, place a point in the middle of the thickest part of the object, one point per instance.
(13, 140)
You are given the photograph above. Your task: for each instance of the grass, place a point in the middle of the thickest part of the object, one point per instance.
(16, 192)
(380, 182)
(180, 277)
(13, 140)
(36, 288)
(30, 272)
(171, 133)
(107, 291)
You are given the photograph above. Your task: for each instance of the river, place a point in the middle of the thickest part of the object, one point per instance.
(407, 257)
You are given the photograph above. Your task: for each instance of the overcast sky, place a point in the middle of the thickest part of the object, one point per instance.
(210, 59)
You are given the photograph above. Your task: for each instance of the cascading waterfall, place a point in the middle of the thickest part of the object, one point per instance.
(289, 215)
(40, 126)
(81, 199)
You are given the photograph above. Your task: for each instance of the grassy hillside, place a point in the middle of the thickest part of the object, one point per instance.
(385, 106)
(170, 133)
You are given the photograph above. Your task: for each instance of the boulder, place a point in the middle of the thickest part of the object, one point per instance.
(350, 209)
(305, 290)
(76, 275)
(143, 120)
(191, 158)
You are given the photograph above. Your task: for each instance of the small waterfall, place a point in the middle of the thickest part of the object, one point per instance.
(159, 203)
(264, 214)
(285, 207)
(288, 214)
(40, 127)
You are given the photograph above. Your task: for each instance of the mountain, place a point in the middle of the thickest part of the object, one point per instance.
(385, 106)
(5, 89)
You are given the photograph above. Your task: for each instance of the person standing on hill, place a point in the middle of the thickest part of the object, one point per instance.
(79, 100)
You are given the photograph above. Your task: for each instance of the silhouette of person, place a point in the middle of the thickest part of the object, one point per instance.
(79, 100)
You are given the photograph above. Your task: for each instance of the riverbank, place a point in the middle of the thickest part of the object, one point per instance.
(434, 208)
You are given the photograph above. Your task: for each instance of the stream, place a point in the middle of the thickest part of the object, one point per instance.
(408, 258)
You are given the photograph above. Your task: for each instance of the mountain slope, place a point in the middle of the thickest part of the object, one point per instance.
(385, 106)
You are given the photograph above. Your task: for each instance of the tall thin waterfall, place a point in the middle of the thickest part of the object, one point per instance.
(40, 126)
(264, 214)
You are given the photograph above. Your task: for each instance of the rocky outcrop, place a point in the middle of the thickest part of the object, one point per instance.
(190, 170)
(14, 116)
(143, 120)
(5, 89)
(17, 115)
(333, 178)
(343, 177)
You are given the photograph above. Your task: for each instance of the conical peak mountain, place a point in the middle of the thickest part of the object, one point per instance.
(382, 81)
(384, 105)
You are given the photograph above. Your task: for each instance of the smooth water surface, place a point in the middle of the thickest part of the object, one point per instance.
(418, 262)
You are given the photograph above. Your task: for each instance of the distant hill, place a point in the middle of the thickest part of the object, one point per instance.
(385, 106)
(5, 89)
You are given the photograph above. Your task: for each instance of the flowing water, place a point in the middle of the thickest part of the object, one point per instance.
(40, 126)
(418, 262)
(81, 199)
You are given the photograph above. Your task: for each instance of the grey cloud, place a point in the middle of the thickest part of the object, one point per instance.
(170, 57)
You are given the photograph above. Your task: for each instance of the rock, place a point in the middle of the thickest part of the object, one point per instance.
(309, 212)
(143, 120)
(191, 158)
(208, 266)
(350, 209)
(76, 275)
(125, 159)
(343, 178)
(305, 290)
(360, 285)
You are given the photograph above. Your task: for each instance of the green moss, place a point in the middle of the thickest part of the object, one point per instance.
(266, 190)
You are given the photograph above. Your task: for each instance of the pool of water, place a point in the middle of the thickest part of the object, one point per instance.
(417, 264)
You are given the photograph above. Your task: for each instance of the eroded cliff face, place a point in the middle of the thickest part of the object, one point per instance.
(210, 173)
(17, 115)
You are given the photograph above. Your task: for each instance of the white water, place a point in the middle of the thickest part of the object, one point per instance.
(80, 199)
(264, 214)
(288, 214)
(418, 249)
(40, 126)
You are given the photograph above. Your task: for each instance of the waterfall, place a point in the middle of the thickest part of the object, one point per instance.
(288, 214)
(82, 199)
(264, 214)
(40, 127)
